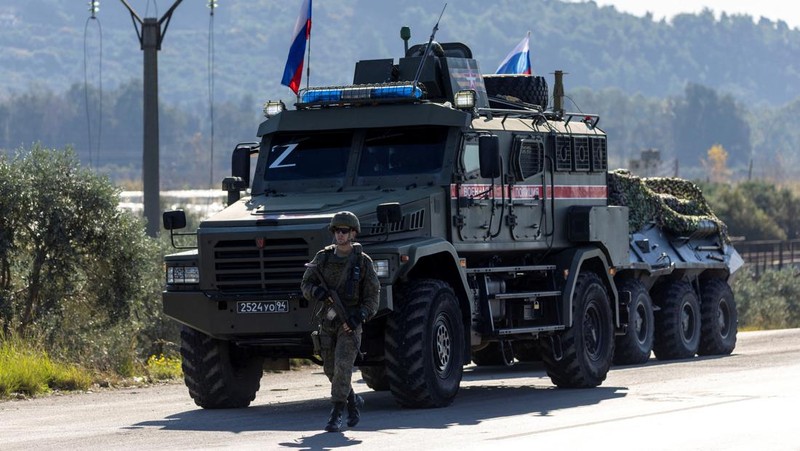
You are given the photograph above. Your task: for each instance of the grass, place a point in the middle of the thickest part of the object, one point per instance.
(28, 370)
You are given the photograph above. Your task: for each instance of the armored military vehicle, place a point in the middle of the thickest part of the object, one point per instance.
(487, 217)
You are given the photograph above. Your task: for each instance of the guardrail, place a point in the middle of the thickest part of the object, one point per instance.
(760, 256)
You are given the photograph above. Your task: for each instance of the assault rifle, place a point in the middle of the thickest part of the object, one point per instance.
(336, 302)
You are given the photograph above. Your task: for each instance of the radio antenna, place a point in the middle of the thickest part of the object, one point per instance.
(428, 48)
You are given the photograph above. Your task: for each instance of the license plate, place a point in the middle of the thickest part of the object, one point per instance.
(262, 306)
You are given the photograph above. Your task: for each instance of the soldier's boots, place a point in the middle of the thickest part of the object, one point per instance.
(354, 402)
(335, 421)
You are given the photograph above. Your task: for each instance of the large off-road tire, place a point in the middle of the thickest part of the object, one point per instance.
(636, 345)
(491, 355)
(375, 377)
(581, 356)
(677, 331)
(425, 345)
(528, 88)
(719, 318)
(219, 374)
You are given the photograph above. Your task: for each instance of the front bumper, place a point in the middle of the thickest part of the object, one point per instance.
(218, 318)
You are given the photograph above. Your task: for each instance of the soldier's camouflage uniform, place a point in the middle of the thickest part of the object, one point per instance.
(338, 349)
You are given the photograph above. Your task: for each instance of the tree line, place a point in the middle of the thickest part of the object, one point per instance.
(759, 146)
(57, 120)
(753, 59)
(674, 86)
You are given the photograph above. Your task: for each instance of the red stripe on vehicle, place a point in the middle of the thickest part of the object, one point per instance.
(482, 190)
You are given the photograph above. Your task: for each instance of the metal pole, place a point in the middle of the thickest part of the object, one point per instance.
(151, 38)
(558, 93)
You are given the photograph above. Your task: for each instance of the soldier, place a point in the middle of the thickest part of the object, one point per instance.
(349, 272)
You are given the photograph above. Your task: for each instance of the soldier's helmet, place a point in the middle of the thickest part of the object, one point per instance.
(345, 219)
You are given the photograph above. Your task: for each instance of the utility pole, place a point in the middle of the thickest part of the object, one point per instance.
(150, 36)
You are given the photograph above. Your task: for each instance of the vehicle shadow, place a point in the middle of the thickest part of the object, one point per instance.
(478, 400)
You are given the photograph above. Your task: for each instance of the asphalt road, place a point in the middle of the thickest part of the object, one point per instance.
(746, 401)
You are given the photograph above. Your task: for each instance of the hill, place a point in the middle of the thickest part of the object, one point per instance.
(681, 86)
(598, 46)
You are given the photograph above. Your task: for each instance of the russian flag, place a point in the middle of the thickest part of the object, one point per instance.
(519, 60)
(297, 52)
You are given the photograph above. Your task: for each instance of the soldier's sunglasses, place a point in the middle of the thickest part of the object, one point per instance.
(342, 230)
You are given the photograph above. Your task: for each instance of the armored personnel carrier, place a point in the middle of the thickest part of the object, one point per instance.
(489, 221)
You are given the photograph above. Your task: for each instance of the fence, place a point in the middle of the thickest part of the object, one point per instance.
(202, 203)
(760, 256)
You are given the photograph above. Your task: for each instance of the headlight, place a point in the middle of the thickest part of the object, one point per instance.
(381, 267)
(183, 274)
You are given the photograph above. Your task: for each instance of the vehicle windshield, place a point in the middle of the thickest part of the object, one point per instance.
(308, 156)
(402, 151)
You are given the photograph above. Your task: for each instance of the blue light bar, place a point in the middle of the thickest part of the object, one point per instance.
(399, 92)
(347, 94)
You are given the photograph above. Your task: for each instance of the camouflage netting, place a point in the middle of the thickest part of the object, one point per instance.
(674, 204)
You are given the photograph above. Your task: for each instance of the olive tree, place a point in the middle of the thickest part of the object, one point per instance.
(73, 267)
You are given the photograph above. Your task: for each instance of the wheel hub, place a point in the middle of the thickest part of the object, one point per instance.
(687, 322)
(591, 335)
(443, 346)
(638, 324)
(722, 318)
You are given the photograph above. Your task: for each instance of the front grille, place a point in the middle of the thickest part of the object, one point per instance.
(241, 265)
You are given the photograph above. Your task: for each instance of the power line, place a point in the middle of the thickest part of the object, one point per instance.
(94, 8)
(147, 8)
(212, 5)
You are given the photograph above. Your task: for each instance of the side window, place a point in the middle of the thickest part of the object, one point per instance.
(527, 157)
(563, 153)
(581, 147)
(580, 153)
(599, 154)
(470, 161)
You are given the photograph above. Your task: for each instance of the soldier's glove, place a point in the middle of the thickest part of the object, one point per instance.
(320, 294)
(355, 319)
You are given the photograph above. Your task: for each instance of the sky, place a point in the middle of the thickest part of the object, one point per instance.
(786, 10)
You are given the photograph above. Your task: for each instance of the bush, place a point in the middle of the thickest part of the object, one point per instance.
(769, 302)
(755, 210)
(76, 272)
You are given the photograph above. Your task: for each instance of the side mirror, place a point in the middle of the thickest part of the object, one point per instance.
(489, 156)
(234, 186)
(389, 213)
(240, 170)
(240, 161)
(174, 220)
